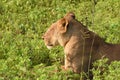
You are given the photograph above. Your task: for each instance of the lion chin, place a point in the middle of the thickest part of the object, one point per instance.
(49, 47)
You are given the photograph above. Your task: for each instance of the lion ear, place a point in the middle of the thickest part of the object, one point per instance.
(70, 15)
(63, 25)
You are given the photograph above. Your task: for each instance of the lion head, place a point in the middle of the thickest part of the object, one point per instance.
(59, 32)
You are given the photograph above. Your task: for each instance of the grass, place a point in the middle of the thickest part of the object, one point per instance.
(23, 55)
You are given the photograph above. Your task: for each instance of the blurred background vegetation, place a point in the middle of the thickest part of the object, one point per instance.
(23, 55)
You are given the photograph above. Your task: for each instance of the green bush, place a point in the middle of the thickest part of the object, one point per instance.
(23, 55)
(103, 71)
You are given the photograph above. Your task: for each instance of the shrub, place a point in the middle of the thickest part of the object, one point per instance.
(23, 55)
(104, 71)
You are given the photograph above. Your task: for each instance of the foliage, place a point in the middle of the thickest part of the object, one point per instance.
(23, 55)
(103, 71)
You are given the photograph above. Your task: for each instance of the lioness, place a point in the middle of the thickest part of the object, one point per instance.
(81, 46)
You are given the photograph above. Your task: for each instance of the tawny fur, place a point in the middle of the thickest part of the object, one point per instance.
(81, 46)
